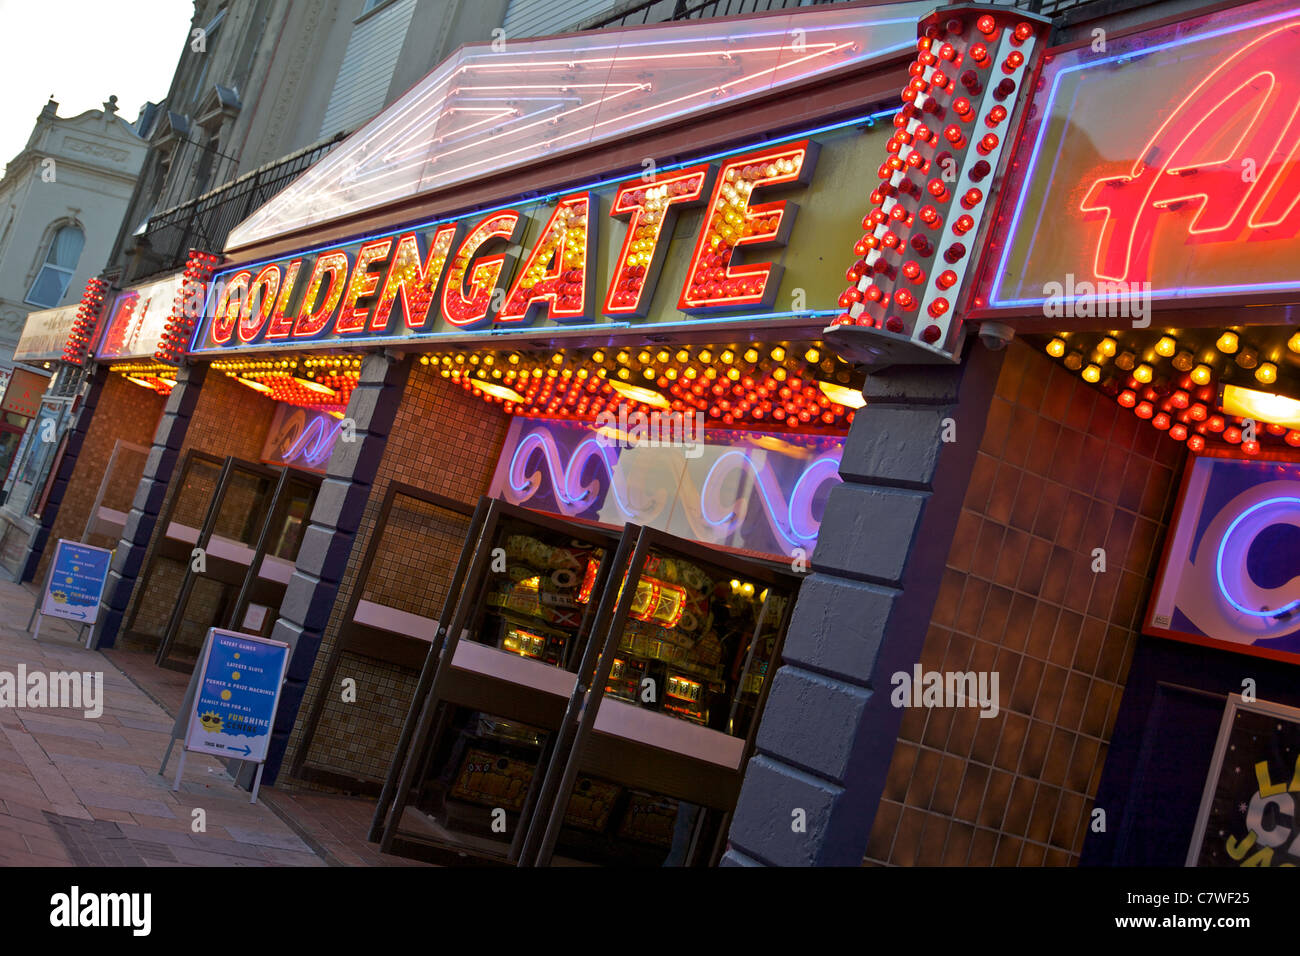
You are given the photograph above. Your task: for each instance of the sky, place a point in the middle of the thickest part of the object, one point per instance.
(83, 51)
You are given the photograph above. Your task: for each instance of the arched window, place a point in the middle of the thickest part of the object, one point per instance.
(56, 271)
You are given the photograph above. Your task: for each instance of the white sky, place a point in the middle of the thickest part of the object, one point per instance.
(83, 51)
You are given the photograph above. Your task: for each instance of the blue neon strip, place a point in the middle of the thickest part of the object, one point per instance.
(1223, 546)
(201, 327)
(1045, 125)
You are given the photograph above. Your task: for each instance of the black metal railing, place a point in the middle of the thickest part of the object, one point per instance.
(663, 11)
(205, 222)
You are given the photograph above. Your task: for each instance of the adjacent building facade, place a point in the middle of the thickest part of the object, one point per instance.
(61, 199)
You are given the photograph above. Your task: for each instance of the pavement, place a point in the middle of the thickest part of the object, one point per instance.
(77, 790)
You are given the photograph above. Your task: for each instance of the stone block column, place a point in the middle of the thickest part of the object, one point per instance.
(828, 732)
(327, 543)
(76, 438)
(148, 502)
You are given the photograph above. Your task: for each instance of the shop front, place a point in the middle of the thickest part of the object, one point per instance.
(602, 518)
(36, 412)
(561, 423)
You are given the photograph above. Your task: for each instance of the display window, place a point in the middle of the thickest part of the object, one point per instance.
(556, 619)
(229, 538)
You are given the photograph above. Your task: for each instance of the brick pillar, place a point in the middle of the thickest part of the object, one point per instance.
(327, 543)
(828, 732)
(76, 438)
(149, 496)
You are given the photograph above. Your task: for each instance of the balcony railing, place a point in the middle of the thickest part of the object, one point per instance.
(205, 222)
(662, 11)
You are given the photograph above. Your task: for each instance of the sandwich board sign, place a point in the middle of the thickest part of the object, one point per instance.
(74, 585)
(230, 705)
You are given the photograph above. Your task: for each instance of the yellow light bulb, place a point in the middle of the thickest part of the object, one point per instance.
(1142, 373)
(1166, 346)
(1266, 373)
(1201, 375)
(1092, 374)
(1228, 342)
(1106, 346)
(812, 355)
(1056, 348)
(778, 354)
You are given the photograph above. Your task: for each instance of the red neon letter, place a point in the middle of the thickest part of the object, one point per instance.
(227, 311)
(469, 311)
(732, 221)
(410, 282)
(555, 273)
(281, 324)
(263, 289)
(1173, 169)
(351, 318)
(336, 264)
(651, 209)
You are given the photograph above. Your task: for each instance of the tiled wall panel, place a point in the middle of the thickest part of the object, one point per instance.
(1061, 471)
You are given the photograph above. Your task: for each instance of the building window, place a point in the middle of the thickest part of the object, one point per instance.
(56, 271)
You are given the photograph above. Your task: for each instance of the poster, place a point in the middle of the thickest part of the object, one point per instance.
(76, 582)
(233, 709)
(45, 430)
(23, 392)
(1248, 811)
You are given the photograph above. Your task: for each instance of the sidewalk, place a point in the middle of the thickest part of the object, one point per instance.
(86, 792)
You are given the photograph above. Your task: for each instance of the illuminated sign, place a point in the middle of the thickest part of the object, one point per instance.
(45, 334)
(939, 169)
(301, 438)
(717, 237)
(138, 320)
(492, 107)
(1193, 192)
(1231, 573)
(755, 492)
